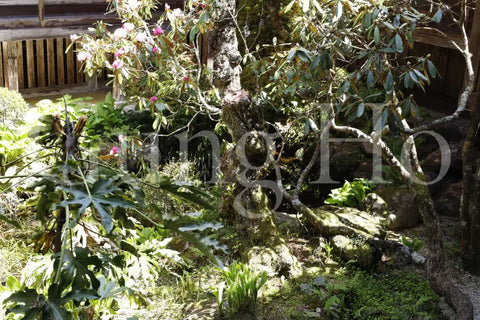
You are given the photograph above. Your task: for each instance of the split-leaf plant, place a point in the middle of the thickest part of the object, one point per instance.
(76, 201)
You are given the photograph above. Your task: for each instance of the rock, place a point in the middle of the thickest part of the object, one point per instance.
(286, 219)
(448, 203)
(345, 157)
(364, 169)
(334, 220)
(432, 163)
(355, 249)
(403, 212)
(375, 205)
(275, 261)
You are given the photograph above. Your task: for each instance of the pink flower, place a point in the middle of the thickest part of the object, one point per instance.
(114, 150)
(83, 55)
(128, 26)
(121, 138)
(153, 99)
(141, 37)
(119, 52)
(119, 34)
(117, 64)
(157, 31)
(74, 37)
(154, 49)
(185, 78)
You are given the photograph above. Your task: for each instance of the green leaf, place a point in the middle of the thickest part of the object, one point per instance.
(398, 43)
(438, 16)
(389, 82)
(360, 109)
(288, 7)
(370, 79)
(101, 198)
(376, 35)
(305, 5)
(76, 268)
(432, 70)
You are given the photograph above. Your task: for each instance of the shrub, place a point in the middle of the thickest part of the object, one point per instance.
(12, 107)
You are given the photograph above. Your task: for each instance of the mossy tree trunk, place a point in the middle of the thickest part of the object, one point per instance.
(242, 117)
(470, 207)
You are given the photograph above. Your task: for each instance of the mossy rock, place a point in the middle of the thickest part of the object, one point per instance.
(358, 250)
(332, 220)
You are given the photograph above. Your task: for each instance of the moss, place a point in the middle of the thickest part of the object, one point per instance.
(396, 295)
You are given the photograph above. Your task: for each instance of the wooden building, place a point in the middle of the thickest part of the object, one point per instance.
(34, 35)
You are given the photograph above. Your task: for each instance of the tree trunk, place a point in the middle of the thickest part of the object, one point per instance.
(470, 206)
(439, 279)
(241, 118)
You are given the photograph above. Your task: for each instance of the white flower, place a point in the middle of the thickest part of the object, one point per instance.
(167, 6)
(175, 14)
(119, 33)
(83, 55)
(133, 4)
(128, 26)
(141, 37)
(74, 37)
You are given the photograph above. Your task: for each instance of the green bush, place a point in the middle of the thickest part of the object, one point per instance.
(12, 107)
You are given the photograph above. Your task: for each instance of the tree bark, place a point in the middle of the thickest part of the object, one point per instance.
(470, 205)
(242, 117)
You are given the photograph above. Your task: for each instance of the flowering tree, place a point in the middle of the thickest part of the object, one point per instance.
(340, 46)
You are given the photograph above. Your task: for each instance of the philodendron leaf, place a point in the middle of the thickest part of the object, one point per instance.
(100, 197)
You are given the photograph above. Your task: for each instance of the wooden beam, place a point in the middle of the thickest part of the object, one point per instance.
(51, 62)
(1, 68)
(53, 2)
(41, 33)
(87, 20)
(30, 64)
(79, 70)
(70, 63)
(41, 62)
(5, 63)
(18, 3)
(60, 62)
(53, 90)
(435, 38)
(21, 79)
(12, 67)
(41, 12)
(16, 23)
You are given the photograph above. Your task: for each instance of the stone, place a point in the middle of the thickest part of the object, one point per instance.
(402, 210)
(448, 203)
(286, 219)
(433, 162)
(274, 261)
(335, 220)
(375, 205)
(357, 250)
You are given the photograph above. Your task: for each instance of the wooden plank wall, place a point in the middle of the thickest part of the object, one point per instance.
(34, 35)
